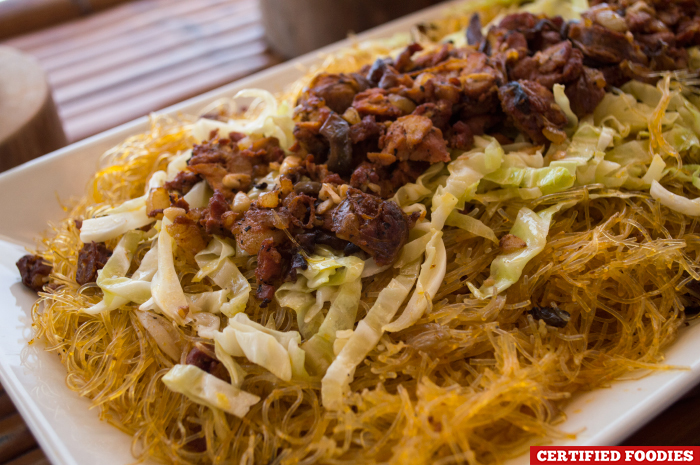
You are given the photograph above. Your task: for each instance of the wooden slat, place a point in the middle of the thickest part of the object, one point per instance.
(23, 16)
(70, 85)
(15, 438)
(80, 127)
(18, 16)
(142, 56)
(78, 28)
(34, 457)
(130, 17)
(155, 83)
(171, 32)
(6, 406)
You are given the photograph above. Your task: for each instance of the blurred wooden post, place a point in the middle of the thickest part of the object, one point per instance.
(29, 123)
(294, 27)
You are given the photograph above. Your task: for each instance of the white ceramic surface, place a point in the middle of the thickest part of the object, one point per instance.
(71, 434)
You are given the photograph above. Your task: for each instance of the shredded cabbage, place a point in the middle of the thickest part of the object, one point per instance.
(177, 164)
(276, 351)
(431, 275)
(329, 269)
(472, 225)
(506, 269)
(366, 336)
(167, 294)
(126, 217)
(214, 261)
(203, 388)
(674, 201)
(340, 316)
(273, 120)
(411, 193)
(161, 329)
(549, 180)
(236, 372)
(655, 171)
(206, 324)
(563, 101)
(325, 272)
(112, 275)
(212, 257)
(465, 173)
(199, 195)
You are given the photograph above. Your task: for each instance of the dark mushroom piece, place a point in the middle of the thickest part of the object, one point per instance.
(474, 35)
(308, 187)
(552, 316)
(337, 131)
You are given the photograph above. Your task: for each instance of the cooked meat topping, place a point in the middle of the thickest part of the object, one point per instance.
(465, 91)
(586, 92)
(559, 63)
(34, 272)
(383, 181)
(366, 129)
(360, 136)
(270, 268)
(337, 131)
(376, 102)
(415, 138)
(217, 159)
(378, 227)
(183, 182)
(403, 62)
(202, 356)
(336, 90)
(218, 218)
(91, 258)
(439, 113)
(474, 35)
(605, 45)
(188, 236)
(510, 243)
(257, 226)
(532, 109)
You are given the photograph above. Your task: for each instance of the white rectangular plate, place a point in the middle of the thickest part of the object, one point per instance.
(71, 434)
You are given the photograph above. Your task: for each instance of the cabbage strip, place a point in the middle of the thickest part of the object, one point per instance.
(205, 389)
(366, 336)
(506, 269)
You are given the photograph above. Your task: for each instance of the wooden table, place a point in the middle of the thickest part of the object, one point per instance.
(123, 63)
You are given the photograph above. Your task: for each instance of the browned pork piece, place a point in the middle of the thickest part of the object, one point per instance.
(227, 168)
(91, 258)
(378, 227)
(202, 356)
(533, 111)
(34, 272)
(414, 138)
(270, 269)
(336, 90)
(559, 63)
(605, 45)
